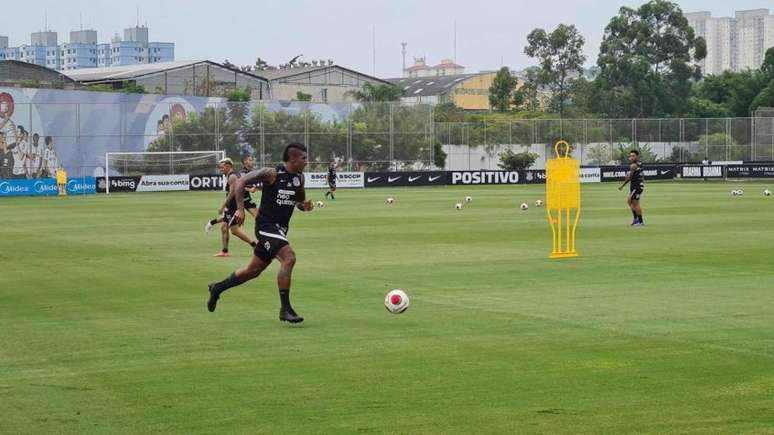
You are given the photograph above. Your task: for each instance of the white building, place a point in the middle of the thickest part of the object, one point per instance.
(83, 51)
(447, 67)
(734, 44)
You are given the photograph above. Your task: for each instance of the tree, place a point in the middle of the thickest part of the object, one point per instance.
(262, 65)
(726, 94)
(511, 161)
(530, 90)
(228, 64)
(300, 96)
(377, 93)
(501, 91)
(765, 98)
(645, 62)
(560, 56)
(767, 68)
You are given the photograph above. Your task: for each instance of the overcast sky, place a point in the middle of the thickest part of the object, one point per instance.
(489, 33)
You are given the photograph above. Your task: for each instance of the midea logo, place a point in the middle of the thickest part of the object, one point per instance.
(6, 187)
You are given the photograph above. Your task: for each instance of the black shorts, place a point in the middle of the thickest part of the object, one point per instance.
(635, 194)
(271, 238)
(228, 216)
(249, 203)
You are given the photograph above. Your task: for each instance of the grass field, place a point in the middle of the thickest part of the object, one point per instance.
(661, 329)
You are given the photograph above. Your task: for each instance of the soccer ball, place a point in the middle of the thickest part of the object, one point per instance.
(396, 301)
(458, 206)
(741, 192)
(539, 203)
(734, 193)
(767, 192)
(468, 199)
(319, 204)
(524, 206)
(390, 200)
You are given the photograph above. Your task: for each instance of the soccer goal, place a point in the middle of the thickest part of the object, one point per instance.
(161, 163)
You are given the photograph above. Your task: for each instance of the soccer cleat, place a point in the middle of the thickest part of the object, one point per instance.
(207, 227)
(221, 254)
(290, 316)
(213, 300)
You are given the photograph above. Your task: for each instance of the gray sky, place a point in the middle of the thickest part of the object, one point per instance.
(489, 33)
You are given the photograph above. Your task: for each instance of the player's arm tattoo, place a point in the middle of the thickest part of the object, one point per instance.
(265, 176)
(231, 189)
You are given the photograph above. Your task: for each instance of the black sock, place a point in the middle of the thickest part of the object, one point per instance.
(230, 281)
(327, 193)
(224, 250)
(213, 222)
(639, 218)
(284, 298)
(333, 197)
(634, 213)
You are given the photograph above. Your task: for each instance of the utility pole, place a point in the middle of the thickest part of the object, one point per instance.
(403, 44)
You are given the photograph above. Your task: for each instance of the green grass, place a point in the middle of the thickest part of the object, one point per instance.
(666, 328)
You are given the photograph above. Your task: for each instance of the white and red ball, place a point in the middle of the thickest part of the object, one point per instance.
(396, 301)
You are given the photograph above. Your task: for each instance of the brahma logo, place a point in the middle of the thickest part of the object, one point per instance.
(8, 188)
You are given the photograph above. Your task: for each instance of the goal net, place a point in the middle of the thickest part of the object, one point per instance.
(162, 163)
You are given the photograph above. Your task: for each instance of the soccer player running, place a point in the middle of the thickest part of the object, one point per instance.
(227, 210)
(283, 190)
(331, 181)
(247, 166)
(637, 179)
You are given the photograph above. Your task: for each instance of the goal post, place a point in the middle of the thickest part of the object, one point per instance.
(161, 163)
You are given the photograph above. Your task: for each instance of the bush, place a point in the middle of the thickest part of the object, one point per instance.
(511, 161)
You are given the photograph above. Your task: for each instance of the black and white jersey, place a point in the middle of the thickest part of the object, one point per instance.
(232, 205)
(638, 177)
(247, 196)
(331, 175)
(279, 199)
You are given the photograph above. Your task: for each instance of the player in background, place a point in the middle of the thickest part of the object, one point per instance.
(282, 191)
(331, 180)
(247, 166)
(226, 211)
(637, 179)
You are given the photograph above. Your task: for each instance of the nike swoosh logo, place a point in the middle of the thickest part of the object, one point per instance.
(665, 172)
(431, 179)
(390, 179)
(413, 179)
(371, 180)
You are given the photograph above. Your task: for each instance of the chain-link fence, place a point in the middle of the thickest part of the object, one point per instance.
(607, 141)
(357, 136)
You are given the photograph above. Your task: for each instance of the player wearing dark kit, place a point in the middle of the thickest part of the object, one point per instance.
(227, 210)
(247, 166)
(331, 181)
(636, 177)
(283, 191)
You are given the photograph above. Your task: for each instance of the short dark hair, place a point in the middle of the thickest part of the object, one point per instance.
(165, 117)
(636, 153)
(246, 156)
(292, 145)
(34, 135)
(48, 139)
